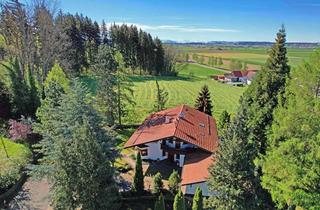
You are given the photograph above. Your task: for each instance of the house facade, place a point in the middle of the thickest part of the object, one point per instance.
(182, 135)
(237, 78)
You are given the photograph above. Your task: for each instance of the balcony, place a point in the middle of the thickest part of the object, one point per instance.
(171, 150)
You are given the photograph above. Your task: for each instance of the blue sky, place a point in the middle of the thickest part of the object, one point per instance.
(206, 20)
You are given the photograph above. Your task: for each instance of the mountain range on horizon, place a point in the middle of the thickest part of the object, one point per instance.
(242, 43)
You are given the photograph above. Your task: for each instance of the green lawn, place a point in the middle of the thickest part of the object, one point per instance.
(198, 71)
(181, 90)
(19, 156)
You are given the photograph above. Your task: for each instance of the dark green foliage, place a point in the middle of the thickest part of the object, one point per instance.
(140, 50)
(291, 164)
(179, 202)
(157, 184)
(105, 68)
(24, 94)
(174, 182)
(138, 183)
(124, 89)
(223, 122)
(159, 205)
(5, 105)
(73, 136)
(203, 102)
(162, 98)
(197, 203)
(245, 139)
(231, 177)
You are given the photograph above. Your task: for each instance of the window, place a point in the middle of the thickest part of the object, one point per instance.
(170, 141)
(177, 156)
(144, 152)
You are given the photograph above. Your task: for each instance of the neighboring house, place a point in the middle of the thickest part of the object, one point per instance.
(184, 136)
(237, 77)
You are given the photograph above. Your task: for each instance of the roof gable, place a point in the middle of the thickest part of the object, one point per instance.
(182, 122)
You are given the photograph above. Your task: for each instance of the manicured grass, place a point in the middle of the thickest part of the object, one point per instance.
(181, 90)
(198, 71)
(10, 168)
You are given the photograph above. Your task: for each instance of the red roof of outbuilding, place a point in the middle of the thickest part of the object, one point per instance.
(182, 122)
(196, 167)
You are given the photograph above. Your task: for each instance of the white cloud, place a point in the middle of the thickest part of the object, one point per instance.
(177, 28)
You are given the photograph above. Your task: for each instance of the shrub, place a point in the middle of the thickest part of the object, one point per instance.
(157, 185)
(174, 182)
(10, 168)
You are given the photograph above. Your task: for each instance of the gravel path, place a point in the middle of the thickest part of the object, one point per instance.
(33, 196)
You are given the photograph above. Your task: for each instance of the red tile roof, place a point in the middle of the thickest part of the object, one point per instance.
(183, 122)
(237, 73)
(195, 168)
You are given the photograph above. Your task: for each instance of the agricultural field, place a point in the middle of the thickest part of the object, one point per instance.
(182, 89)
(253, 56)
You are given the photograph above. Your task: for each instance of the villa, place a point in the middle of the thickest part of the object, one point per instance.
(182, 135)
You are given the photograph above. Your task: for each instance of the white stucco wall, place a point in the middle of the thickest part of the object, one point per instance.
(154, 151)
(180, 160)
(190, 189)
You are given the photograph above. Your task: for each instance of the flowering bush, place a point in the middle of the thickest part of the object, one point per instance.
(20, 130)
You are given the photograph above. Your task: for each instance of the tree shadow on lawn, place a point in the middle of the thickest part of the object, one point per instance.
(162, 78)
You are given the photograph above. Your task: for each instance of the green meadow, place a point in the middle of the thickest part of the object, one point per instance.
(182, 89)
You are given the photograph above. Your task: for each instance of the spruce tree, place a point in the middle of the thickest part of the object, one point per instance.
(179, 202)
(247, 138)
(203, 102)
(105, 69)
(290, 164)
(159, 204)
(73, 136)
(138, 183)
(162, 98)
(197, 203)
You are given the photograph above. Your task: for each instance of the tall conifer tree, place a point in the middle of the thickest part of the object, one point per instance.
(248, 133)
(138, 183)
(203, 102)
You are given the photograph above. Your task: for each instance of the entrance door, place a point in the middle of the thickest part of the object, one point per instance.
(171, 157)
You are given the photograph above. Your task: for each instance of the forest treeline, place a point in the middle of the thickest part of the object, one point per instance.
(37, 36)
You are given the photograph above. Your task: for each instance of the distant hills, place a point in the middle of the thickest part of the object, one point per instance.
(243, 44)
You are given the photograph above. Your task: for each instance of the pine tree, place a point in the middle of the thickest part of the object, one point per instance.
(174, 182)
(179, 202)
(138, 182)
(197, 203)
(162, 98)
(203, 102)
(159, 205)
(157, 184)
